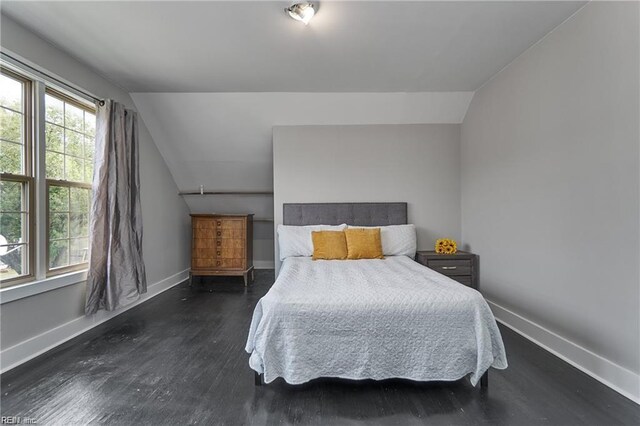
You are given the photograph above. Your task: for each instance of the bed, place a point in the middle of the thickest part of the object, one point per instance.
(369, 319)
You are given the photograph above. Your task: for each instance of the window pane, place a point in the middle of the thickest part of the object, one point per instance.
(13, 261)
(58, 198)
(74, 169)
(80, 200)
(10, 196)
(89, 148)
(73, 117)
(69, 206)
(89, 123)
(10, 158)
(79, 225)
(88, 172)
(54, 137)
(10, 125)
(74, 143)
(10, 93)
(58, 253)
(55, 165)
(13, 231)
(78, 251)
(12, 227)
(58, 226)
(54, 110)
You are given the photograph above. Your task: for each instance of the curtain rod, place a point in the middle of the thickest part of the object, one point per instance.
(57, 80)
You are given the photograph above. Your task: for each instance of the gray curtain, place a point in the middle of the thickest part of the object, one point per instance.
(116, 269)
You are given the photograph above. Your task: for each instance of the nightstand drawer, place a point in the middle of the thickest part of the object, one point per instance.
(462, 266)
(451, 266)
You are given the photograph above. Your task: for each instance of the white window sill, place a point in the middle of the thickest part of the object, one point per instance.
(32, 288)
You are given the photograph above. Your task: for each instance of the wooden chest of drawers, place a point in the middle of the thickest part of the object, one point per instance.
(222, 245)
(462, 266)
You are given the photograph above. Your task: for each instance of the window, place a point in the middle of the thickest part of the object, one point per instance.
(69, 146)
(49, 154)
(16, 181)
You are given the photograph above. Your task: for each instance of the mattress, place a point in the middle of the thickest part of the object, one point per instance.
(371, 319)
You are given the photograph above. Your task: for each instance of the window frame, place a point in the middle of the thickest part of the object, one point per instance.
(26, 177)
(62, 183)
(76, 266)
(36, 200)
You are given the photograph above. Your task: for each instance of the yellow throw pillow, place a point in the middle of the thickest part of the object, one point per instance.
(329, 245)
(364, 243)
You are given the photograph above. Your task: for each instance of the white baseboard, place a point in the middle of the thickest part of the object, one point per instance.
(31, 348)
(263, 264)
(618, 378)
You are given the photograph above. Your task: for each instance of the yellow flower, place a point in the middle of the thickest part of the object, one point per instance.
(446, 246)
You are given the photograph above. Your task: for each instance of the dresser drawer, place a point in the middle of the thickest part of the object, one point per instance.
(200, 243)
(230, 223)
(463, 279)
(203, 223)
(203, 263)
(203, 253)
(229, 243)
(229, 253)
(229, 263)
(229, 233)
(204, 233)
(451, 266)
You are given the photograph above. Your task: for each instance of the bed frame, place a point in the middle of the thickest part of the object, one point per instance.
(358, 214)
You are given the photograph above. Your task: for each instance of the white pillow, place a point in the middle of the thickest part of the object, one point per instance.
(295, 241)
(397, 240)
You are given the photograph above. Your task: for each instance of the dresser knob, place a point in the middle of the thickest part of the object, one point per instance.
(219, 233)
(219, 223)
(446, 268)
(218, 252)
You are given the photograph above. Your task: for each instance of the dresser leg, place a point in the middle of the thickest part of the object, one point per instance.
(192, 286)
(257, 379)
(246, 278)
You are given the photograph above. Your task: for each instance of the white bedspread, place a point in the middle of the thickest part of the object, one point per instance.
(371, 319)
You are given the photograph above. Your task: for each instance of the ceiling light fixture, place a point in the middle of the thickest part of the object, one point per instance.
(301, 12)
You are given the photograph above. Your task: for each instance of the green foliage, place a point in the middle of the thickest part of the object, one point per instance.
(10, 125)
(69, 141)
(54, 137)
(68, 225)
(10, 206)
(11, 221)
(58, 253)
(11, 145)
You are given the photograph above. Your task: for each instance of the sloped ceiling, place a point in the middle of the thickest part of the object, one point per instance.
(223, 140)
(251, 46)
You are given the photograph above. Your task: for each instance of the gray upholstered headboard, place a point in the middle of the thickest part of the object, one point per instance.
(358, 214)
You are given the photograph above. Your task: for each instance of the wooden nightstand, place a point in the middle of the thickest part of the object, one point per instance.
(462, 266)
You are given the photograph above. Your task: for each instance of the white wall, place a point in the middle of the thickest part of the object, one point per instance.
(550, 192)
(31, 324)
(223, 140)
(416, 163)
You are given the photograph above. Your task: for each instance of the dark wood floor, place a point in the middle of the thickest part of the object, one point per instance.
(179, 359)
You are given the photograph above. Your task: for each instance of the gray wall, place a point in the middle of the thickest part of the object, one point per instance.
(223, 141)
(165, 215)
(416, 163)
(550, 183)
